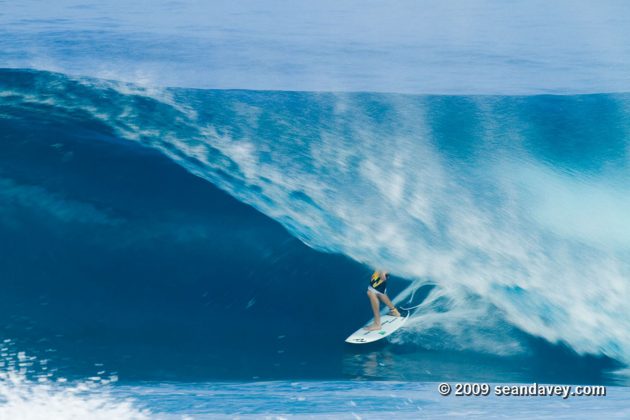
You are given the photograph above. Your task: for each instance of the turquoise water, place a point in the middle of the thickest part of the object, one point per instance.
(198, 250)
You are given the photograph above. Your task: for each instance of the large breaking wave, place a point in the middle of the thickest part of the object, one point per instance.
(514, 207)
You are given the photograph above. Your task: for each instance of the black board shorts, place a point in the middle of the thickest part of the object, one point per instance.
(380, 289)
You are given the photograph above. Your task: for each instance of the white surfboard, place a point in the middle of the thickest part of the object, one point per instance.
(389, 324)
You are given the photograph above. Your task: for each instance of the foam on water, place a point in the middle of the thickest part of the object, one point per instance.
(477, 195)
(487, 228)
(30, 391)
(362, 400)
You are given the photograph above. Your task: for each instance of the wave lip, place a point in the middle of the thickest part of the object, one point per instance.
(460, 191)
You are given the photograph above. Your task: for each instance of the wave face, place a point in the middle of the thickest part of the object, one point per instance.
(513, 207)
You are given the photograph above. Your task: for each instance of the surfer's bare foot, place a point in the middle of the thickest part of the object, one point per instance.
(373, 327)
(394, 312)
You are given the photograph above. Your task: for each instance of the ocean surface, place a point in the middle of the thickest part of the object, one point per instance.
(190, 208)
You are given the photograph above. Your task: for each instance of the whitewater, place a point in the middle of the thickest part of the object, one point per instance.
(166, 165)
(520, 225)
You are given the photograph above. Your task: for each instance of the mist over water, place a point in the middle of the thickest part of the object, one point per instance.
(484, 206)
(476, 195)
(476, 150)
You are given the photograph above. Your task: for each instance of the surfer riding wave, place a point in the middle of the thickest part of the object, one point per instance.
(377, 290)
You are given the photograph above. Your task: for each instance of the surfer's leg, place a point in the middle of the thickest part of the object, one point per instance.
(390, 305)
(377, 313)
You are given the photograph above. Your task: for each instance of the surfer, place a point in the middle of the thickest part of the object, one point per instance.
(376, 291)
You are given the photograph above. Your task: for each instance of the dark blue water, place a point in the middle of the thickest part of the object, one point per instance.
(112, 254)
(168, 248)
